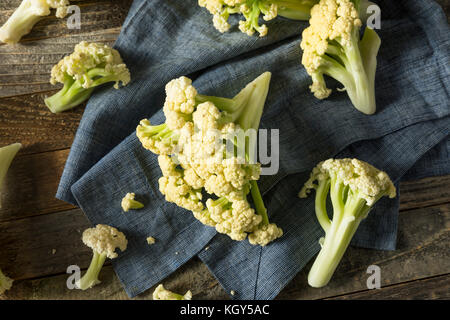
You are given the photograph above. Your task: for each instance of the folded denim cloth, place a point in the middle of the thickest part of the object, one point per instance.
(161, 40)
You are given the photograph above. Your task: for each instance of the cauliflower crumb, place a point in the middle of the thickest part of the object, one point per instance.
(150, 240)
(162, 293)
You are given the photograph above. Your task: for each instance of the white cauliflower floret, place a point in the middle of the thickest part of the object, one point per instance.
(87, 56)
(180, 95)
(265, 234)
(179, 192)
(158, 139)
(162, 293)
(232, 218)
(364, 180)
(128, 202)
(105, 240)
(206, 117)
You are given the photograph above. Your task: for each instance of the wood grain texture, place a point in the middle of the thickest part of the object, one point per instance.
(422, 253)
(27, 244)
(31, 184)
(436, 288)
(27, 120)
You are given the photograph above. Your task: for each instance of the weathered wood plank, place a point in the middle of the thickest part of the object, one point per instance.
(27, 120)
(31, 184)
(425, 192)
(436, 288)
(422, 253)
(28, 244)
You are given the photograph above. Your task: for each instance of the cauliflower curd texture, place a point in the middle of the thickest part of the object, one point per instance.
(193, 157)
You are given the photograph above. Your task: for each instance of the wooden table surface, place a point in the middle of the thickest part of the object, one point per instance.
(40, 236)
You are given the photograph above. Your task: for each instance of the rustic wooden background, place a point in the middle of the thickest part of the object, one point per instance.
(40, 236)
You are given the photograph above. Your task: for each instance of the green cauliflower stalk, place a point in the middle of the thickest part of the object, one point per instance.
(252, 9)
(103, 240)
(354, 187)
(90, 65)
(27, 15)
(332, 46)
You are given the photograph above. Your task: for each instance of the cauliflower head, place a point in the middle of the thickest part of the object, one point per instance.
(105, 240)
(363, 179)
(88, 56)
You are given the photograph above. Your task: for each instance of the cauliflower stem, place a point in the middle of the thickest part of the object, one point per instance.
(89, 66)
(27, 15)
(354, 187)
(90, 278)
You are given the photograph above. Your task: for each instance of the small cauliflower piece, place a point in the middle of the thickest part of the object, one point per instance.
(354, 187)
(5, 283)
(27, 15)
(150, 240)
(103, 240)
(128, 202)
(162, 293)
(90, 65)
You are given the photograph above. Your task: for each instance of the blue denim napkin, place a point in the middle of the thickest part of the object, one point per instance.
(162, 40)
